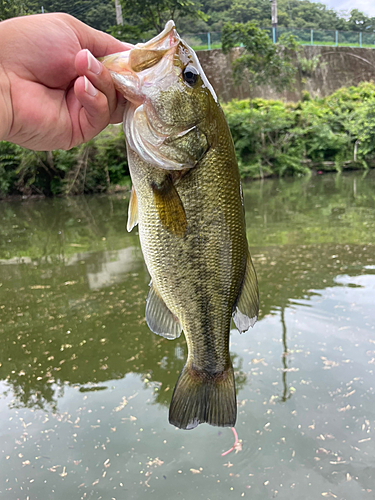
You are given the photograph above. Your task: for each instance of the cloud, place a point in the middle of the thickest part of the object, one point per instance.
(365, 6)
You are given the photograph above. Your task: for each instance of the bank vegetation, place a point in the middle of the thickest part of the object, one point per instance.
(271, 138)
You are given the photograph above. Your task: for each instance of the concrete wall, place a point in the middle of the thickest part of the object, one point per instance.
(338, 67)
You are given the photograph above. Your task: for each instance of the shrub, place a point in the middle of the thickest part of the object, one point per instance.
(276, 138)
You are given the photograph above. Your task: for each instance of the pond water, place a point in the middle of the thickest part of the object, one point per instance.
(85, 386)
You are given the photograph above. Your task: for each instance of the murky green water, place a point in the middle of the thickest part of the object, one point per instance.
(85, 386)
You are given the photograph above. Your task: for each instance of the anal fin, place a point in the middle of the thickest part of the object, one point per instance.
(246, 311)
(159, 318)
(132, 211)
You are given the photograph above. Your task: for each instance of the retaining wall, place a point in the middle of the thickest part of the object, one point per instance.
(338, 67)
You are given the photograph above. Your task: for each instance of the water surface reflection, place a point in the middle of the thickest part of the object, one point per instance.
(84, 380)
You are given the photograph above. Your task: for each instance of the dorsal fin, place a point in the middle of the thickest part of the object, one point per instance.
(246, 311)
(132, 211)
(159, 318)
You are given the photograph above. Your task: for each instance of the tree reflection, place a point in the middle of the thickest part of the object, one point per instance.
(60, 324)
(284, 356)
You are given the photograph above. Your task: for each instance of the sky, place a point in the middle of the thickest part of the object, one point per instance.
(365, 6)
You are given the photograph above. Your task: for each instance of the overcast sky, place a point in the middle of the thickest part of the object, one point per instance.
(365, 6)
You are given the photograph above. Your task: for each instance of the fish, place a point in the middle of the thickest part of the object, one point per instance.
(187, 201)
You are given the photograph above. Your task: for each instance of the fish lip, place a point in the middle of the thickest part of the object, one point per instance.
(123, 65)
(169, 30)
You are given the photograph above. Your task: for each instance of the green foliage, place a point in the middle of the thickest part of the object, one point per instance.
(360, 22)
(290, 13)
(270, 138)
(9, 159)
(260, 61)
(274, 138)
(145, 18)
(99, 14)
(9, 8)
(308, 66)
(14, 8)
(90, 168)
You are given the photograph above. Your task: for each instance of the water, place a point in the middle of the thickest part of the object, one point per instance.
(85, 386)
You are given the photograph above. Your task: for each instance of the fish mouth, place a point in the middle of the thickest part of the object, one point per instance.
(165, 39)
(144, 64)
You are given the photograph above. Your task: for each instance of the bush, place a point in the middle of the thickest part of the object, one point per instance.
(274, 138)
(89, 168)
(270, 138)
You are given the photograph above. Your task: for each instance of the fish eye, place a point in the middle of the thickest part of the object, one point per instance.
(190, 75)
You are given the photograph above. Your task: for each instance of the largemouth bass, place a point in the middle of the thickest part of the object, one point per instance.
(187, 202)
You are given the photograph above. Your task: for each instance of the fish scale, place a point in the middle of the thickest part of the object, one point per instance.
(187, 194)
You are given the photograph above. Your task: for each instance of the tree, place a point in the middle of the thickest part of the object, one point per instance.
(8, 9)
(145, 18)
(360, 22)
(306, 14)
(261, 61)
(243, 11)
(14, 8)
(291, 13)
(99, 14)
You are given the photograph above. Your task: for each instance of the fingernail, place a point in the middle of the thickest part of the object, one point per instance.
(93, 64)
(89, 87)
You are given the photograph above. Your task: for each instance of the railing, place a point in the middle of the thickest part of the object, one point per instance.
(208, 41)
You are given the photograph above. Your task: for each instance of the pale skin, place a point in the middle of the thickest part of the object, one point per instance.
(54, 94)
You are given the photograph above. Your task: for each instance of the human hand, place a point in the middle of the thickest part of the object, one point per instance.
(53, 93)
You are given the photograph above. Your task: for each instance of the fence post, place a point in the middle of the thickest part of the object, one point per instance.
(209, 41)
(312, 37)
(360, 38)
(274, 34)
(337, 38)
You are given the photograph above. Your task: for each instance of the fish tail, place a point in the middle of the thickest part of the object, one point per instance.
(200, 396)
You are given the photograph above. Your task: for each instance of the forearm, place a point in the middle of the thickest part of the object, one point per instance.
(5, 105)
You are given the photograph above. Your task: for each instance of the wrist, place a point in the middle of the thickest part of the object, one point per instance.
(5, 105)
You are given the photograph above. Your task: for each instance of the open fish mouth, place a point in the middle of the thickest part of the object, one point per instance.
(145, 64)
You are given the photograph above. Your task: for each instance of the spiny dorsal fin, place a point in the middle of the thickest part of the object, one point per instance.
(159, 318)
(247, 307)
(169, 206)
(132, 211)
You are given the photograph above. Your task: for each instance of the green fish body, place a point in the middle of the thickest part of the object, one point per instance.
(187, 201)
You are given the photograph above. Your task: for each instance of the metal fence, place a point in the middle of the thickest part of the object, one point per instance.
(208, 41)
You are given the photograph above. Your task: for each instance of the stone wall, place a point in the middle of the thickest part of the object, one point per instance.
(338, 67)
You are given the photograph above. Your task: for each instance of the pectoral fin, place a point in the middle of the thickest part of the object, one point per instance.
(246, 311)
(169, 206)
(159, 318)
(132, 211)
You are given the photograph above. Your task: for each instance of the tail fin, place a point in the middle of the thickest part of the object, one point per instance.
(200, 396)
